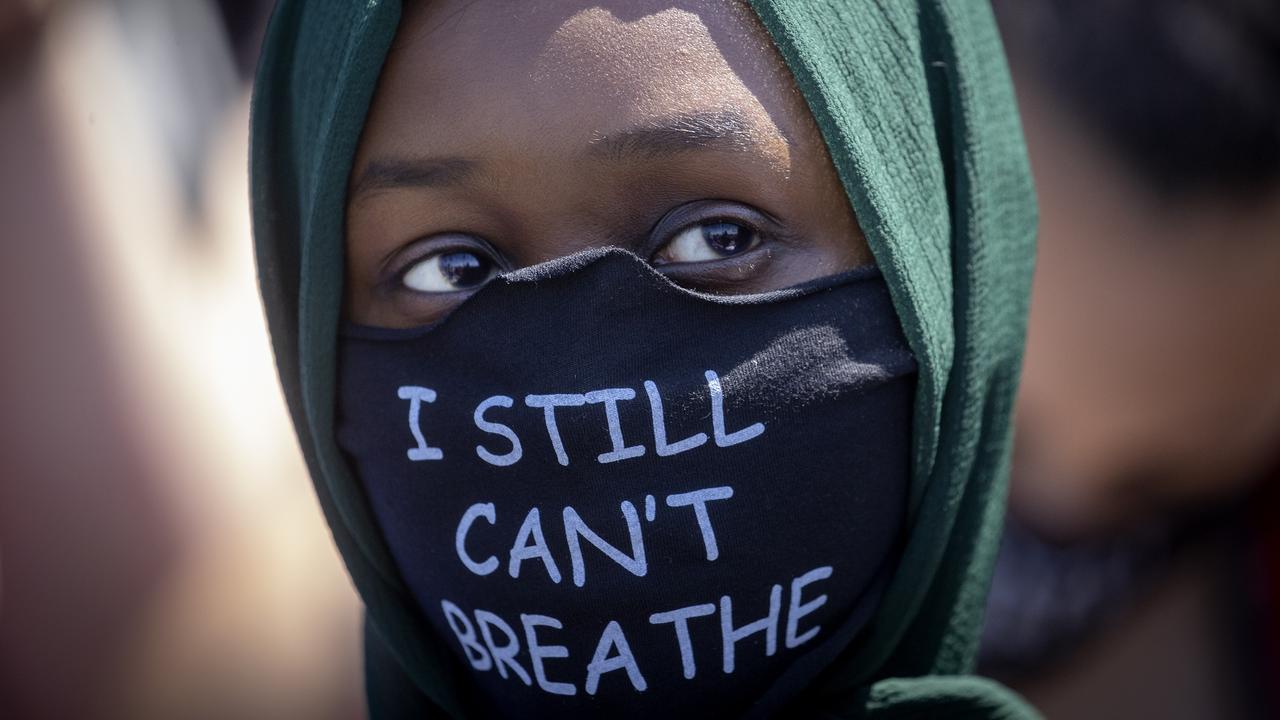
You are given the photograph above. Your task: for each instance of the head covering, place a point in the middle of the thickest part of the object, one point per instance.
(914, 101)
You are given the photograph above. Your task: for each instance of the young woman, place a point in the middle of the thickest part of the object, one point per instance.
(651, 357)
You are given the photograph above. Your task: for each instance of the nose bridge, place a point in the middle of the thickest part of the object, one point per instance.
(555, 222)
(556, 241)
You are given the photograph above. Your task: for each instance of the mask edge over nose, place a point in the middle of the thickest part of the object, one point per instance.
(583, 259)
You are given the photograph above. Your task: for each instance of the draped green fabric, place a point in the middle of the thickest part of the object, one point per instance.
(914, 101)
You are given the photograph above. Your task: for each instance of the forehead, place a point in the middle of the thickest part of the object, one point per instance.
(473, 76)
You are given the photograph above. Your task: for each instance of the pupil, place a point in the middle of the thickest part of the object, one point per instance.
(726, 238)
(464, 269)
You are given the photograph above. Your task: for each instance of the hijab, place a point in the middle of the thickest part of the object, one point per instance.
(915, 104)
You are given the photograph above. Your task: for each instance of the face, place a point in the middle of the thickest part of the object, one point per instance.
(1152, 375)
(506, 134)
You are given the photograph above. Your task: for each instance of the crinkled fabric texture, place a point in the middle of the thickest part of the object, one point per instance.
(914, 101)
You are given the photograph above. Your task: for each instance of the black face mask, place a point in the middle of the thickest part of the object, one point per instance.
(613, 497)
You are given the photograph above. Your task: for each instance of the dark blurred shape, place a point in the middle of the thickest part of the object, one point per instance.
(246, 23)
(1187, 90)
(1047, 595)
(18, 21)
(1136, 577)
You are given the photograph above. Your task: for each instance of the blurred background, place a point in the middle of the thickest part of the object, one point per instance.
(162, 554)
(1140, 570)
(161, 551)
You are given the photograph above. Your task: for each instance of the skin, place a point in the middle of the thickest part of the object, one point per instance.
(503, 135)
(1151, 383)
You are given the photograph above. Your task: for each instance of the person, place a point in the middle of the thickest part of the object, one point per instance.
(651, 357)
(1149, 413)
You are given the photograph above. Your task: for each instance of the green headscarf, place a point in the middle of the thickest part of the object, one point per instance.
(914, 101)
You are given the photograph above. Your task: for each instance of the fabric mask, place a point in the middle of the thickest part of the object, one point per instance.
(616, 497)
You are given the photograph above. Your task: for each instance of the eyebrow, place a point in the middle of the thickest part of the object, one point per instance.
(388, 173)
(723, 130)
(720, 130)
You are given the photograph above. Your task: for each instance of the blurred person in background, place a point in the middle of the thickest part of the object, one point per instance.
(1140, 571)
(160, 556)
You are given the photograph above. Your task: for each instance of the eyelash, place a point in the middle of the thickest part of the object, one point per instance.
(434, 246)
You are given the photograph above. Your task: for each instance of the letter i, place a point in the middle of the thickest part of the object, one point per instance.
(416, 396)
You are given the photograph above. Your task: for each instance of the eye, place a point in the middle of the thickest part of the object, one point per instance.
(450, 271)
(708, 241)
